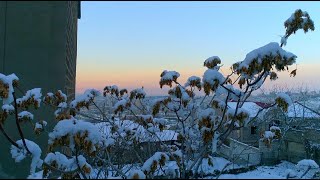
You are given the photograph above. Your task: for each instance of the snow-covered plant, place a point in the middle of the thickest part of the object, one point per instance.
(20, 152)
(151, 164)
(298, 20)
(32, 98)
(283, 101)
(268, 136)
(78, 148)
(167, 77)
(7, 83)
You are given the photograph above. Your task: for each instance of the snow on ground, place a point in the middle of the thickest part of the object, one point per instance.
(262, 172)
(270, 172)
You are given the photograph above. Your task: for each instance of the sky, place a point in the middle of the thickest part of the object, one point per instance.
(129, 44)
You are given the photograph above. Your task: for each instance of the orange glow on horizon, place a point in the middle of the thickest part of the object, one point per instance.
(149, 78)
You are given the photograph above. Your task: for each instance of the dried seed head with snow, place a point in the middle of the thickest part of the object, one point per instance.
(7, 84)
(211, 80)
(137, 94)
(212, 62)
(194, 81)
(167, 77)
(283, 101)
(112, 90)
(31, 98)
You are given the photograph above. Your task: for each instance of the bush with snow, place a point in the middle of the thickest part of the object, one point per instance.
(81, 149)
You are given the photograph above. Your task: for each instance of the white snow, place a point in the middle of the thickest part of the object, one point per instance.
(308, 163)
(169, 75)
(38, 126)
(122, 103)
(113, 88)
(192, 79)
(64, 96)
(25, 115)
(36, 175)
(285, 97)
(275, 128)
(67, 164)
(140, 133)
(268, 134)
(50, 94)
(156, 157)
(34, 94)
(272, 48)
(8, 80)
(278, 171)
(211, 76)
(73, 126)
(62, 161)
(86, 97)
(138, 93)
(20, 153)
(7, 108)
(138, 173)
(212, 58)
(250, 107)
(218, 163)
(61, 107)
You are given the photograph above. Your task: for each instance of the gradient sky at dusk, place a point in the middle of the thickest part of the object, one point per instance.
(130, 43)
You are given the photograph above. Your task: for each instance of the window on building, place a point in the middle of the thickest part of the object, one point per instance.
(253, 129)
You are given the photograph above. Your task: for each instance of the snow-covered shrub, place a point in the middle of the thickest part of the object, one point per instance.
(283, 101)
(77, 149)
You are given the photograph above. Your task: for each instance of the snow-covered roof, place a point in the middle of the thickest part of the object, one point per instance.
(251, 107)
(297, 110)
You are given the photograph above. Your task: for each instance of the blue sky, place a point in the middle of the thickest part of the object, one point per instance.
(131, 43)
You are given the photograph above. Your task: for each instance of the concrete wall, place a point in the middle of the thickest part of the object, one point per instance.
(269, 155)
(240, 153)
(245, 152)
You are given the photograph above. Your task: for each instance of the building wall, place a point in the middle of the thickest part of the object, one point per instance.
(37, 40)
(71, 48)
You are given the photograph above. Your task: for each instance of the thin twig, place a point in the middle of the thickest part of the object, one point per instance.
(17, 122)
